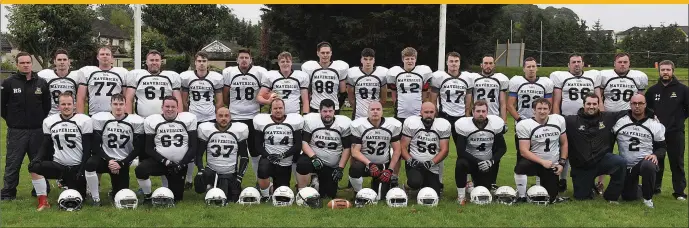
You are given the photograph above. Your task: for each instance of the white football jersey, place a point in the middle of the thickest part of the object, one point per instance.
(66, 135)
(376, 141)
(101, 85)
(618, 90)
(544, 139)
(151, 89)
(326, 142)
(366, 88)
(489, 88)
(287, 88)
(527, 92)
(635, 139)
(452, 91)
(409, 86)
(278, 137)
(480, 141)
(58, 85)
(244, 88)
(171, 137)
(574, 89)
(222, 149)
(118, 135)
(202, 93)
(324, 83)
(425, 142)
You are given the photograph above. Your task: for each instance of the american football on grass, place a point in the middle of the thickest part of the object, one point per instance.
(339, 204)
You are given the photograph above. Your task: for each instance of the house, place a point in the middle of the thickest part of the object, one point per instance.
(222, 54)
(8, 51)
(621, 35)
(120, 42)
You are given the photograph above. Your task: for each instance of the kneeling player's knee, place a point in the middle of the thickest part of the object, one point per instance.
(648, 167)
(304, 166)
(91, 164)
(357, 169)
(415, 183)
(264, 169)
(142, 172)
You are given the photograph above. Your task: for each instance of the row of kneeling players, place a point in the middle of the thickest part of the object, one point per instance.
(317, 147)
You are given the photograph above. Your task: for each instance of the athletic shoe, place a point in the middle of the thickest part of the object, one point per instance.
(649, 203)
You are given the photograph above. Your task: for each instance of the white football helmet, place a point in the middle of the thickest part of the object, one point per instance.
(365, 196)
(481, 195)
(538, 195)
(163, 197)
(70, 200)
(283, 196)
(216, 197)
(310, 197)
(396, 197)
(505, 195)
(126, 198)
(249, 196)
(427, 197)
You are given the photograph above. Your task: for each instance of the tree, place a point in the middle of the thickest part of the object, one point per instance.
(187, 27)
(40, 29)
(386, 28)
(106, 10)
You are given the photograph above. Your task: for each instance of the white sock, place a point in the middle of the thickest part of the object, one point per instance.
(163, 180)
(538, 180)
(254, 164)
(40, 186)
(461, 193)
(145, 185)
(190, 172)
(92, 184)
(357, 183)
(521, 184)
(265, 192)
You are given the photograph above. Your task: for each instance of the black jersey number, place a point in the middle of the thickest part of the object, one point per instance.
(248, 93)
(527, 100)
(481, 93)
(103, 84)
(56, 96)
(150, 92)
(323, 145)
(422, 146)
(575, 94)
(166, 140)
(284, 141)
(320, 88)
(113, 139)
(625, 95)
(217, 150)
(379, 150)
(459, 94)
(68, 141)
(363, 93)
(197, 96)
(634, 144)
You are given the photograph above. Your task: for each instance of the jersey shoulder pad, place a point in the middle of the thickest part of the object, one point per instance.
(189, 119)
(241, 130)
(423, 69)
(137, 123)
(229, 71)
(501, 77)
(169, 73)
(134, 118)
(216, 78)
(310, 66)
(354, 72)
(295, 120)
(523, 128)
(104, 116)
(261, 120)
(301, 75)
(395, 126)
(119, 70)
(339, 65)
(443, 124)
(311, 121)
(46, 73)
(463, 126)
(515, 82)
(496, 124)
(439, 74)
(413, 122)
(394, 71)
(186, 75)
(206, 129)
(559, 120)
(85, 122)
(380, 71)
(88, 69)
(343, 121)
(259, 69)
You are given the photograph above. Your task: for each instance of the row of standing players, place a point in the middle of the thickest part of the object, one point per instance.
(318, 82)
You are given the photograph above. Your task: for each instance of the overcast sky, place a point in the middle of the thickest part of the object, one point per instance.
(615, 17)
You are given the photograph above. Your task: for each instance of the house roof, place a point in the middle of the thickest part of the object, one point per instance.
(685, 29)
(5, 44)
(104, 29)
(222, 46)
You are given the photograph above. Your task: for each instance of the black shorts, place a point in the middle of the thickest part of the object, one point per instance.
(72, 176)
(99, 165)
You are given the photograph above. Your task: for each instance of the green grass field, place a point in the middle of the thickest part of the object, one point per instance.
(193, 212)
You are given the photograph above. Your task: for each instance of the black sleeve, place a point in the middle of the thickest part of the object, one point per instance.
(649, 99)
(203, 144)
(306, 137)
(499, 147)
(347, 142)
(139, 145)
(97, 148)
(356, 140)
(686, 102)
(243, 160)
(191, 151)
(5, 98)
(296, 147)
(462, 149)
(47, 149)
(659, 148)
(86, 140)
(47, 100)
(150, 149)
(258, 141)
